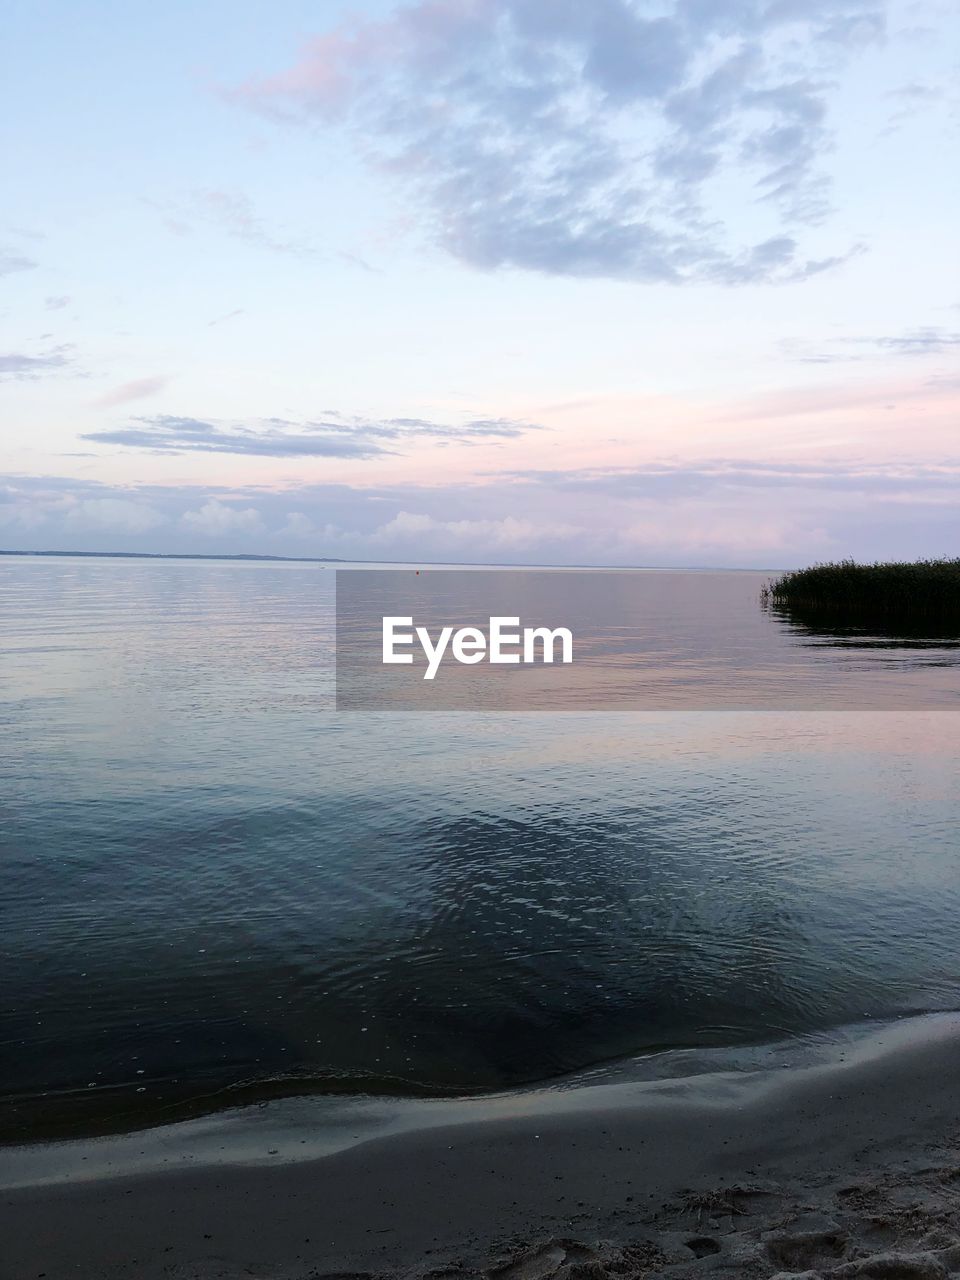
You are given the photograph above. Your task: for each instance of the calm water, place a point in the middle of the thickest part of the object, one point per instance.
(215, 887)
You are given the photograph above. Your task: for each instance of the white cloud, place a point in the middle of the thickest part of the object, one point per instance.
(298, 525)
(117, 514)
(506, 532)
(695, 532)
(25, 515)
(216, 519)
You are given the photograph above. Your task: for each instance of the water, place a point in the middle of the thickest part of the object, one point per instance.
(216, 888)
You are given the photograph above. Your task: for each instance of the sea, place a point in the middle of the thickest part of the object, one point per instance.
(219, 889)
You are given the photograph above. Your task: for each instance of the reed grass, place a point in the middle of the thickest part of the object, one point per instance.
(928, 588)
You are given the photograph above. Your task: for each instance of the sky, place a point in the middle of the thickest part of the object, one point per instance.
(625, 282)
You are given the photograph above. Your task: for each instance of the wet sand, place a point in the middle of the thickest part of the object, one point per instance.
(849, 1167)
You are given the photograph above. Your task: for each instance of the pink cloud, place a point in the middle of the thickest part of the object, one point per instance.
(138, 389)
(325, 77)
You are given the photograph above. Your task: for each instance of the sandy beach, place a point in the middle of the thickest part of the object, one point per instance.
(847, 1167)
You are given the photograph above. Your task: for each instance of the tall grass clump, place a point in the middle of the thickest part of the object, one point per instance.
(901, 589)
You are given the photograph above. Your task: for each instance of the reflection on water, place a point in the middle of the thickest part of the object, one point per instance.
(643, 641)
(835, 629)
(216, 887)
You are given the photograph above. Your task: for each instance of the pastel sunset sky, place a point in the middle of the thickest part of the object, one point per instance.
(639, 282)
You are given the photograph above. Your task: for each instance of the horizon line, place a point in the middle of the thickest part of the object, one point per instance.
(341, 560)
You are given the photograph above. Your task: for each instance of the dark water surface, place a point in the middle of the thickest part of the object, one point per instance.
(215, 888)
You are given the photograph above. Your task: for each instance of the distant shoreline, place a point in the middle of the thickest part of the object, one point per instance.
(179, 555)
(459, 564)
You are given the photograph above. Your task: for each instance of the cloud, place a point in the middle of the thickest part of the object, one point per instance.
(728, 534)
(217, 519)
(601, 139)
(719, 512)
(113, 514)
(475, 428)
(56, 302)
(21, 514)
(16, 364)
(138, 389)
(912, 100)
(167, 434)
(75, 507)
(339, 437)
(668, 481)
(298, 525)
(916, 93)
(11, 262)
(231, 315)
(233, 211)
(919, 342)
(510, 531)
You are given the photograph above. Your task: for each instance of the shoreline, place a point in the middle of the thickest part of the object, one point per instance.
(226, 1113)
(305, 1187)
